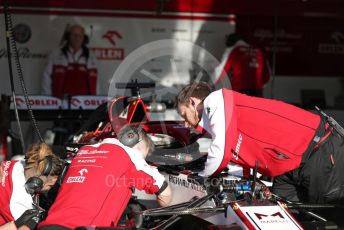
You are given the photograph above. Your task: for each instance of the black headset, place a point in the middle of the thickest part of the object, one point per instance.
(34, 184)
(66, 36)
(129, 137)
(65, 48)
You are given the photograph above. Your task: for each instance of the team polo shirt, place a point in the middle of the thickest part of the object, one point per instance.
(14, 200)
(248, 130)
(99, 183)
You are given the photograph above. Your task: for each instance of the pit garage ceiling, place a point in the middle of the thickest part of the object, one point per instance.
(329, 8)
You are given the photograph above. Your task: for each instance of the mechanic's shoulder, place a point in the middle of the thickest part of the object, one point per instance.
(56, 55)
(213, 97)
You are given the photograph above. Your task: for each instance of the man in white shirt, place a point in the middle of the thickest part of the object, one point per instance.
(71, 69)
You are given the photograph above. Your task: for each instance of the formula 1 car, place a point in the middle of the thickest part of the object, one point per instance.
(225, 202)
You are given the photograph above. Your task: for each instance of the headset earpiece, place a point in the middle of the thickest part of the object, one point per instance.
(129, 138)
(86, 40)
(35, 184)
(48, 166)
(66, 37)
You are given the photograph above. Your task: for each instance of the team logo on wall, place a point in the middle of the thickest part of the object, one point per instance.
(335, 44)
(111, 37)
(22, 33)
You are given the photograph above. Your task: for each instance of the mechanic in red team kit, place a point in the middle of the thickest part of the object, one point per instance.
(245, 65)
(99, 182)
(70, 66)
(304, 152)
(20, 180)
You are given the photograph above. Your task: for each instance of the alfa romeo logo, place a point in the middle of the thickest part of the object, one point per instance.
(22, 33)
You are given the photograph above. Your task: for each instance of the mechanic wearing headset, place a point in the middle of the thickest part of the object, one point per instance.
(70, 66)
(20, 180)
(100, 179)
(303, 153)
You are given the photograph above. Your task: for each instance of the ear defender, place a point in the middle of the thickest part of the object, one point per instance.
(66, 38)
(34, 184)
(129, 138)
(48, 166)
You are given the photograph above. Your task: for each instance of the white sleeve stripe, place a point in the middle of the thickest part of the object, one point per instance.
(20, 200)
(141, 165)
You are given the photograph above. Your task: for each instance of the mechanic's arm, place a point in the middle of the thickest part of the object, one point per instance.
(8, 226)
(12, 226)
(165, 197)
(153, 181)
(220, 122)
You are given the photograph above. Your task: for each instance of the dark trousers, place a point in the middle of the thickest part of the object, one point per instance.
(320, 179)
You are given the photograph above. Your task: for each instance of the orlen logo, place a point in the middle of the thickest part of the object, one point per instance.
(90, 102)
(77, 179)
(75, 102)
(111, 35)
(335, 46)
(38, 102)
(338, 37)
(19, 102)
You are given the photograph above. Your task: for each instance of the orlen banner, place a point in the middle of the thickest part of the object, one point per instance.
(112, 34)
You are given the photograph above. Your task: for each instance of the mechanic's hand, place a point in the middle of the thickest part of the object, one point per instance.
(29, 218)
(196, 179)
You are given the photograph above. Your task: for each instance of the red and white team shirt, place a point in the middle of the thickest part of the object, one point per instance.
(245, 66)
(14, 200)
(70, 73)
(245, 129)
(99, 183)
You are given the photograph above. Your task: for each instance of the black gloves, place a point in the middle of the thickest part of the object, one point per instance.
(29, 218)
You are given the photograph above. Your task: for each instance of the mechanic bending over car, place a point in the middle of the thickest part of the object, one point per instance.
(21, 180)
(100, 179)
(304, 152)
